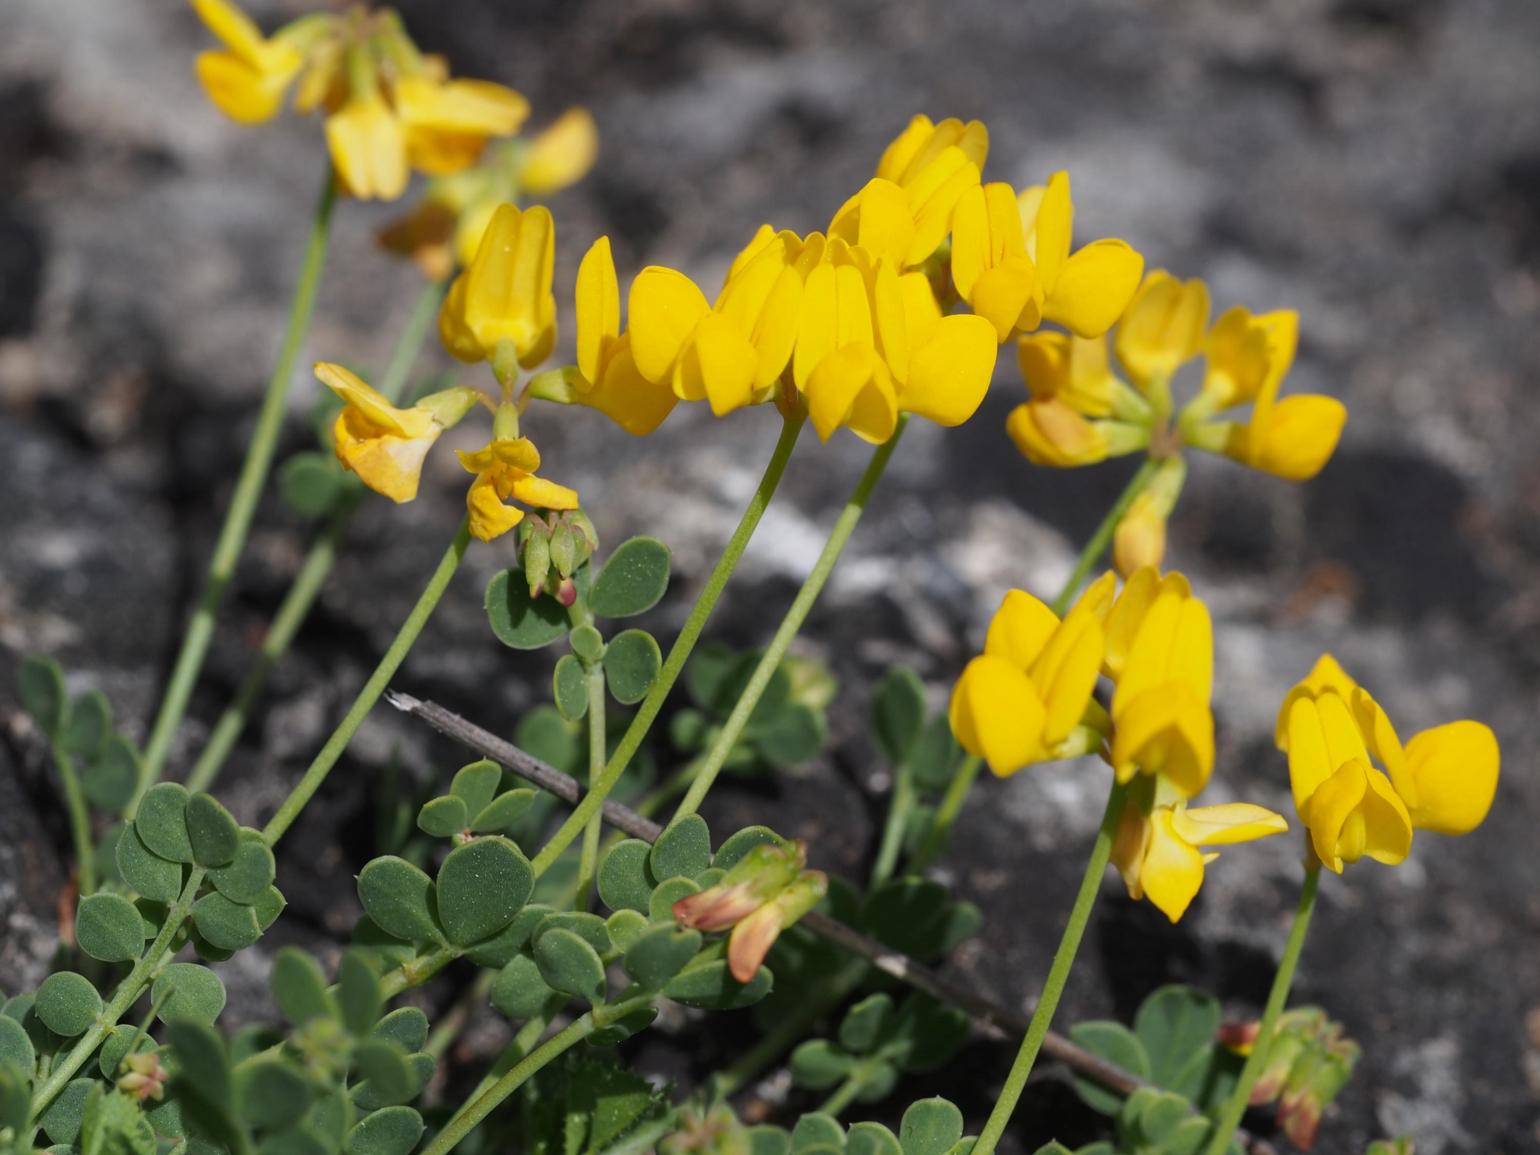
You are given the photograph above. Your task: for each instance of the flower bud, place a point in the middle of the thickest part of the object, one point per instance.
(537, 557)
(764, 893)
(752, 938)
(1295, 1038)
(146, 1078)
(563, 548)
(1140, 538)
(1313, 1089)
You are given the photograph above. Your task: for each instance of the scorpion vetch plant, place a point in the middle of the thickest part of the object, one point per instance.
(500, 904)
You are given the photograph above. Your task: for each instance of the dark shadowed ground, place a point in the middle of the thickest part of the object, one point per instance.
(1373, 163)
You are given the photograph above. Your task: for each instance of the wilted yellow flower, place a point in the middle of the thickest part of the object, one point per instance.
(1161, 653)
(446, 226)
(1161, 854)
(505, 469)
(501, 308)
(385, 445)
(608, 379)
(389, 108)
(1333, 731)
(1027, 698)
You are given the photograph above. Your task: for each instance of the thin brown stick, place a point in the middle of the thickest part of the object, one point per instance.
(991, 1018)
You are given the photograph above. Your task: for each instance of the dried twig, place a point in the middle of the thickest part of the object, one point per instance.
(991, 1018)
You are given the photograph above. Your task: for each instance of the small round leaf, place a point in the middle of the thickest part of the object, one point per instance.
(311, 484)
(399, 898)
(443, 817)
(516, 620)
(162, 821)
(625, 927)
(740, 843)
(818, 1064)
(67, 1004)
(299, 987)
(63, 1119)
(504, 811)
(214, 834)
(225, 924)
(40, 683)
(15, 1046)
(930, 1127)
(389, 1131)
(148, 873)
(683, 850)
(359, 996)
(623, 882)
(708, 984)
(250, 873)
(110, 779)
(481, 886)
(633, 580)
(631, 665)
(569, 688)
(477, 784)
(570, 965)
(519, 991)
(87, 724)
(405, 1026)
(660, 954)
(108, 928)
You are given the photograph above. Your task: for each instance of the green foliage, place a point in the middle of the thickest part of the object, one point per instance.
(918, 917)
(67, 1004)
(212, 832)
(789, 724)
(40, 684)
(587, 1104)
(312, 483)
(108, 928)
(518, 620)
(631, 664)
(633, 580)
(569, 688)
(480, 887)
(876, 1042)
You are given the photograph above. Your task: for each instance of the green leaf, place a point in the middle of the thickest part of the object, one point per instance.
(67, 1004)
(926, 1033)
(110, 780)
(660, 954)
(443, 817)
(87, 725)
(495, 952)
(930, 1127)
(311, 484)
(710, 673)
(156, 878)
(625, 927)
(40, 683)
(681, 851)
(268, 906)
(623, 882)
(707, 983)
(543, 733)
(271, 1091)
(299, 987)
(569, 964)
(516, 620)
(1177, 1026)
(818, 1064)
(61, 1122)
(213, 833)
(405, 1026)
(898, 713)
(794, 736)
(871, 1139)
(481, 886)
(519, 991)
(737, 845)
(817, 1130)
(503, 812)
(477, 784)
(633, 580)
(192, 993)
(162, 821)
(420, 1067)
(359, 996)
(1159, 1114)
(660, 907)
(15, 1098)
(917, 917)
(108, 927)
(399, 898)
(1119, 1046)
(109, 1060)
(768, 1140)
(390, 1076)
(15, 1046)
(588, 927)
(933, 758)
(225, 924)
(569, 688)
(865, 1023)
(391, 1131)
(631, 665)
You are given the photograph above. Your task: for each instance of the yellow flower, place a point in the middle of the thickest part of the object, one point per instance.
(1163, 328)
(385, 445)
(872, 343)
(1139, 542)
(1085, 290)
(1053, 433)
(1161, 721)
(609, 379)
(1333, 731)
(389, 109)
(505, 468)
(1161, 857)
(247, 80)
(502, 306)
(561, 155)
(905, 213)
(1080, 412)
(1027, 698)
(730, 353)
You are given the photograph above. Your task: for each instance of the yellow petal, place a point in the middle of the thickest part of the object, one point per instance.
(905, 147)
(1355, 814)
(517, 452)
(539, 493)
(489, 517)
(508, 285)
(763, 301)
(597, 304)
(627, 398)
(1295, 439)
(1139, 542)
(1174, 646)
(1226, 824)
(665, 308)
(1127, 615)
(386, 461)
(1051, 228)
(1309, 762)
(1020, 629)
(1236, 355)
(1051, 433)
(1378, 734)
(1450, 777)
(371, 404)
(452, 329)
(933, 195)
(1093, 288)
(1163, 327)
(242, 92)
(1065, 673)
(835, 311)
(995, 715)
(972, 250)
(368, 148)
(1326, 674)
(950, 374)
(1166, 731)
(840, 383)
(476, 107)
(1007, 296)
(561, 155)
(233, 28)
(886, 227)
(1129, 845)
(1173, 868)
(718, 364)
(1044, 362)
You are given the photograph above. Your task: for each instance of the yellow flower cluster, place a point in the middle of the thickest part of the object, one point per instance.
(1081, 411)
(1359, 791)
(854, 323)
(1030, 698)
(388, 107)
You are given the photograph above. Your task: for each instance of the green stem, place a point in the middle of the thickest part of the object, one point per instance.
(123, 998)
(900, 805)
(1097, 546)
(770, 661)
(1058, 974)
(243, 503)
(647, 713)
(80, 820)
(946, 813)
(306, 787)
(845, 1093)
(313, 571)
(520, 1045)
(471, 1114)
(1277, 997)
(588, 860)
(418, 971)
(448, 1028)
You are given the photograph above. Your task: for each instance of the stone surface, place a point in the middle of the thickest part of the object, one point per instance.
(1374, 163)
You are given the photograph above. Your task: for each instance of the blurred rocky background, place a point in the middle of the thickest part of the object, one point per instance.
(1372, 163)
